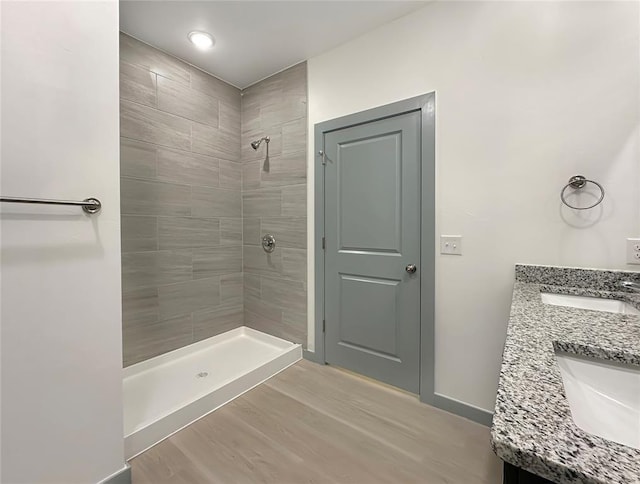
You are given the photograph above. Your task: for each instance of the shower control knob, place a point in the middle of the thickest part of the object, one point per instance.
(268, 243)
(411, 268)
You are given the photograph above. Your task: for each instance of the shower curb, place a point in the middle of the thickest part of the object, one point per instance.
(123, 476)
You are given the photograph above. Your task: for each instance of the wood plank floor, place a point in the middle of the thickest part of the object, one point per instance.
(317, 424)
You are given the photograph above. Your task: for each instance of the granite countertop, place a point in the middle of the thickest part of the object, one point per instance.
(532, 425)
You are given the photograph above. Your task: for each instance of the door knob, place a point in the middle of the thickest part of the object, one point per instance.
(411, 268)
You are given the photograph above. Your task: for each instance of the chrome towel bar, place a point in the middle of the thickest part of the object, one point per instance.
(89, 205)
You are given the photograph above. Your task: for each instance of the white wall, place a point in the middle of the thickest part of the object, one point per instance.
(61, 322)
(527, 95)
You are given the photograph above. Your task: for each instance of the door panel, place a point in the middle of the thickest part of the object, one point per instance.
(372, 327)
(372, 230)
(370, 212)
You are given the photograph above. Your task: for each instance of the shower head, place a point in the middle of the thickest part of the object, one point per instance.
(255, 144)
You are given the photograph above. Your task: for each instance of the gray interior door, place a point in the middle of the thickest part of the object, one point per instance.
(372, 230)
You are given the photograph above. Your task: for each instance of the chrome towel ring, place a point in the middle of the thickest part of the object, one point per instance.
(577, 182)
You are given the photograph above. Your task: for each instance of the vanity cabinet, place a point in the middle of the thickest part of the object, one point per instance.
(515, 475)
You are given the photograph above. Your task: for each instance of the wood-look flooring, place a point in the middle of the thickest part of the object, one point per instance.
(317, 424)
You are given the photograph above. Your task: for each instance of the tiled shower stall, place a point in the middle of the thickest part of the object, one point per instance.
(196, 199)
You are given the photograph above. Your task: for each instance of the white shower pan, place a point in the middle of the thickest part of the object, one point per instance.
(168, 392)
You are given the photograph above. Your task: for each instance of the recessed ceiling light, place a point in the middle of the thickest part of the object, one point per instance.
(201, 40)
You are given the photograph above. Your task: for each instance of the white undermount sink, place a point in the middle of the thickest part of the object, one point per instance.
(593, 303)
(604, 397)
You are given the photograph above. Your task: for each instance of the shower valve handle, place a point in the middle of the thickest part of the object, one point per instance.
(268, 243)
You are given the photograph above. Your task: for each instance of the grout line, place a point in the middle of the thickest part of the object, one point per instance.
(184, 249)
(180, 184)
(132, 101)
(276, 187)
(179, 150)
(158, 286)
(156, 84)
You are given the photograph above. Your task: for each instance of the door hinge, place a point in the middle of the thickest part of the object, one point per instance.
(324, 243)
(324, 325)
(323, 157)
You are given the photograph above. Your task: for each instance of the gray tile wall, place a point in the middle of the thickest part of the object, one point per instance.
(193, 192)
(181, 203)
(274, 201)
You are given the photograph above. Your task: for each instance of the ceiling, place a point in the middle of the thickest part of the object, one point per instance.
(255, 39)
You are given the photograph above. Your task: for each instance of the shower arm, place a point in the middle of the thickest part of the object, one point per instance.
(256, 144)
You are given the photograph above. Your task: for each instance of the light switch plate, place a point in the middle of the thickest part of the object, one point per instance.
(633, 251)
(451, 244)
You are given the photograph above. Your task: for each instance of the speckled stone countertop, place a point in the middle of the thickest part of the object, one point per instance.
(532, 425)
